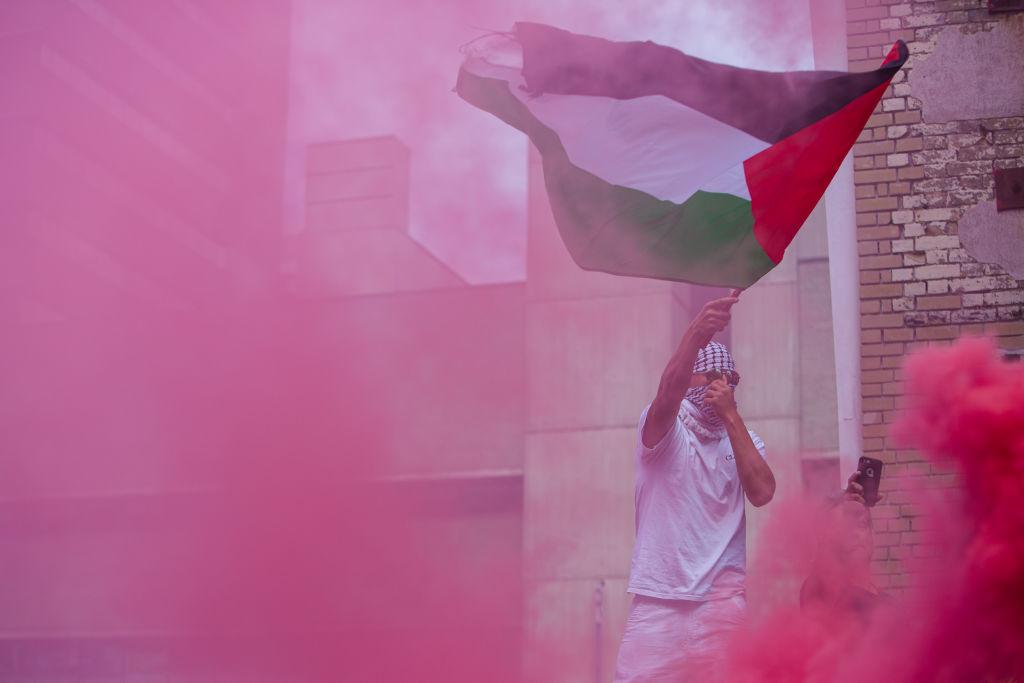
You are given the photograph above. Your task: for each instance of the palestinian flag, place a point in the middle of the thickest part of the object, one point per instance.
(658, 164)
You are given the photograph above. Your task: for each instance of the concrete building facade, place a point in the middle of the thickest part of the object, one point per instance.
(445, 362)
(141, 158)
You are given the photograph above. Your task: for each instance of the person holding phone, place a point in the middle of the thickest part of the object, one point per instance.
(695, 463)
(840, 586)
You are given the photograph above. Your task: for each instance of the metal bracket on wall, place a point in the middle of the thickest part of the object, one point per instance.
(1009, 188)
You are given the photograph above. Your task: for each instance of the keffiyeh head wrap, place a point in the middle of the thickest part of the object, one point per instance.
(703, 419)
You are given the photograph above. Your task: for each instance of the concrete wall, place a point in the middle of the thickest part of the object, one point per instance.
(595, 348)
(142, 158)
(356, 238)
(447, 368)
(142, 149)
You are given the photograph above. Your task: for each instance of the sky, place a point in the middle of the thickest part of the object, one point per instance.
(365, 69)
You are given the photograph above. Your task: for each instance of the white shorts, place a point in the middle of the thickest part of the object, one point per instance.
(677, 640)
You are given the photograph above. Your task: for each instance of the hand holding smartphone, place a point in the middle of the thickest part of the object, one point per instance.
(870, 471)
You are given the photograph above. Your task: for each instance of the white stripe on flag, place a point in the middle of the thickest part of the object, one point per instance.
(652, 143)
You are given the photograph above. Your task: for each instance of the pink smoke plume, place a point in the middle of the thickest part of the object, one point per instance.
(963, 619)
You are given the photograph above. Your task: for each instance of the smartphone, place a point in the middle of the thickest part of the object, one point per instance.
(870, 476)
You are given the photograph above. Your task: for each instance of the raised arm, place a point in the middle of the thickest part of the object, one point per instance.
(675, 380)
(755, 475)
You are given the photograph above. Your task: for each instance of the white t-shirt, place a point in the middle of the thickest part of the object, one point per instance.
(690, 526)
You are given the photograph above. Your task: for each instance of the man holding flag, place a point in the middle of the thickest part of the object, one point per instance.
(663, 165)
(695, 462)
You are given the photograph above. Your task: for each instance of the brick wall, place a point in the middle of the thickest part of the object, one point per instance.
(919, 286)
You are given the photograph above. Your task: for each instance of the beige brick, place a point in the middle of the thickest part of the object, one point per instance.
(871, 336)
(881, 320)
(881, 350)
(887, 290)
(931, 303)
(907, 117)
(937, 271)
(861, 65)
(872, 363)
(924, 19)
(861, 163)
(876, 376)
(903, 303)
(866, 219)
(908, 456)
(974, 315)
(1005, 298)
(973, 284)
(930, 215)
(1011, 343)
(877, 403)
(938, 332)
(894, 132)
(894, 388)
(914, 201)
(881, 232)
(937, 242)
(914, 258)
(869, 306)
(874, 176)
(898, 334)
(901, 89)
(1005, 328)
(867, 247)
(868, 40)
(897, 160)
(865, 13)
(894, 104)
(971, 329)
(909, 145)
(868, 148)
(894, 361)
(871, 418)
(911, 173)
(881, 120)
(880, 261)
(876, 431)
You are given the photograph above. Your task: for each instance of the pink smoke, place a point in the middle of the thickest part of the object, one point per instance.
(963, 618)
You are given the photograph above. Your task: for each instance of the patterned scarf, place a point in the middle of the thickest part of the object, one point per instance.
(700, 417)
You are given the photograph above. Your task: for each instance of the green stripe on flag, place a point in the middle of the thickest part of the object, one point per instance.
(708, 239)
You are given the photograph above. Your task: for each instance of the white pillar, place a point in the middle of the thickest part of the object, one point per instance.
(828, 30)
